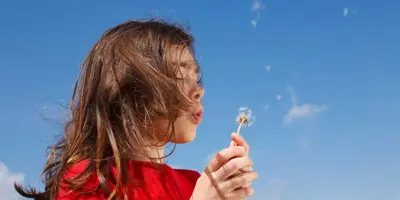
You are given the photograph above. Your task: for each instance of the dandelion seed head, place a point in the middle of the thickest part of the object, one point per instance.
(245, 116)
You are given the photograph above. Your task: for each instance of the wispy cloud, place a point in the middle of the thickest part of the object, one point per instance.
(254, 22)
(303, 111)
(300, 111)
(7, 179)
(345, 11)
(257, 6)
(268, 68)
(278, 97)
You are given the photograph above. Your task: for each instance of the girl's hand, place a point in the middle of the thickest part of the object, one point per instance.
(219, 181)
(238, 140)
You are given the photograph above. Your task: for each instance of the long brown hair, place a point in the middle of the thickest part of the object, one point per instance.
(125, 82)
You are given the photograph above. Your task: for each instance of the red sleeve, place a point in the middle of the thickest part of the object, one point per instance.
(191, 175)
(187, 183)
(90, 184)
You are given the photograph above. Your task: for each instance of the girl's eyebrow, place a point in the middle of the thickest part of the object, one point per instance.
(190, 64)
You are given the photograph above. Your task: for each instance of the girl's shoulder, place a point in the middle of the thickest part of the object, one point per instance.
(89, 184)
(191, 175)
(152, 176)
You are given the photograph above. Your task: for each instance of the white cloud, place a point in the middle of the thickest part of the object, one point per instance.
(292, 94)
(278, 97)
(345, 11)
(268, 68)
(303, 111)
(256, 7)
(300, 111)
(254, 22)
(266, 107)
(7, 179)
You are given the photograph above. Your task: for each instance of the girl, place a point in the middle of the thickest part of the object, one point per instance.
(139, 89)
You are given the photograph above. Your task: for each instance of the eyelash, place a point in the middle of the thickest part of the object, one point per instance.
(199, 80)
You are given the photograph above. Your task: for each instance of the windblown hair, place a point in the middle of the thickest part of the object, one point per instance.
(126, 81)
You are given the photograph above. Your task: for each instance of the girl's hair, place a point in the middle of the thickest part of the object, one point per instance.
(127, 80)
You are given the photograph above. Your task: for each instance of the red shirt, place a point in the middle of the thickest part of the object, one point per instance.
(156, 182)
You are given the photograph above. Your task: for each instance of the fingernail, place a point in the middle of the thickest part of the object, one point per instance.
(247, 169)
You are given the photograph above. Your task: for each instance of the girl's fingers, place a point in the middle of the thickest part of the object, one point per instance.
(239, 181)
(241, 193)
(243, 170)
(233, 166)
(224, 156)
(238, 140)
(246, 169)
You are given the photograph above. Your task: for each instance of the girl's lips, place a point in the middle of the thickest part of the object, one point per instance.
(197, 117)
(200, 113)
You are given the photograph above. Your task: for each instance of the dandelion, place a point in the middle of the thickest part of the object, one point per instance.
(244, 118)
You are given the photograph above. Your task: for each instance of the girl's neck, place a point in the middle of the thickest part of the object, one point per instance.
(157, 153)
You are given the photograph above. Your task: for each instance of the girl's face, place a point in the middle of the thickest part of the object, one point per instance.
(186, 124)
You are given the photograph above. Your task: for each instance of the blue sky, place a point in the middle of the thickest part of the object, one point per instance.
(332, 135)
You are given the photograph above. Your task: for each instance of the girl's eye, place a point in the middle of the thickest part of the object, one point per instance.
(180, 74)
(199, 76)
(199, 80)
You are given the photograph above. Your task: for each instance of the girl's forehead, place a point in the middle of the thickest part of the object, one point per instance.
(184, 58)
(181, 55)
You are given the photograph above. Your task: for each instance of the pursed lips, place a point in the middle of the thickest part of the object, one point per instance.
(197, 115)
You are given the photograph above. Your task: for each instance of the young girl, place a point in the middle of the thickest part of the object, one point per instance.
(139, 89)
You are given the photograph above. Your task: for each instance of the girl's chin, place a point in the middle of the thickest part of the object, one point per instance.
(189, 136)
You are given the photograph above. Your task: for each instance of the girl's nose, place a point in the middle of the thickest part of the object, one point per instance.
(198, 93)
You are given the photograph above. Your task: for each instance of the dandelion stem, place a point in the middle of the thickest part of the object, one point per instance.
(240, 126)
(237, 132)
